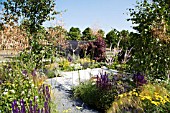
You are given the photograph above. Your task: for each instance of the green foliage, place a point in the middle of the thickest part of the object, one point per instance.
(125, 42)
(151, 53)
(93, 96)
(155, 98)
(149, 98)
(100, 95)
(100, 32)
(51, 70)
(74, 34)
(88, 34)
(41, 48)
(18, 83)
(112, 38)
(50, 74)
(34, 12)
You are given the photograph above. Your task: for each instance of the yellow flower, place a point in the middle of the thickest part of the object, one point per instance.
(163, 101)
(158, 97)
(145, 97)
(156, 103)
(67, 110)
(124, 95)
(130, 93)
(166, 98)
(120, 96)
(135, 94)
(148, 97)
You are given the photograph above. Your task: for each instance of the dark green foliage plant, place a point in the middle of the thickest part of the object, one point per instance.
(101, 33)
(124, 37)
(112, 38)
(93, 96)
(74, 34)
(87, 34)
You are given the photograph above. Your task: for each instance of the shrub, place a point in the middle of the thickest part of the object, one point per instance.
(101, 91)
(97, 49)
(151, 53)
(155, 98)
(148, 98)
(64, 64)
(93, 96)
(150, 56)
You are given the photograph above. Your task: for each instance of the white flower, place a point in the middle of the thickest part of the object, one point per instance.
(5, 93)
(36, 97)
(32, 85)
(22, 92)
(72, 65)
(6, 90)
(12, 91)
(93, 83)
(77, 66)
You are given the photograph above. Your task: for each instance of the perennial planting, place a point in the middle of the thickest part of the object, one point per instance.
(136, 72)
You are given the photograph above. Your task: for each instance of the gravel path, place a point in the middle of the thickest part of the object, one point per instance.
(61, 87)
(62, 93)
(68, 104)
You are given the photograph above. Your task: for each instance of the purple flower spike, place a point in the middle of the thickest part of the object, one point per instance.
(38, 110)
(33, 72)
(17, 110)
(23, 109)
(103, 81)
(47, 89)
(30, 107)
(139, 79)
(35, 108)
(46, 107)
(13, 106)
(47, 93)
(24, 72)
(70, 59)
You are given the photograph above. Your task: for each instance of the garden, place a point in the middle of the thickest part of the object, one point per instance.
(120, 72)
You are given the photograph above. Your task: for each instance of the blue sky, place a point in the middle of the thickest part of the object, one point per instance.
(104, 14)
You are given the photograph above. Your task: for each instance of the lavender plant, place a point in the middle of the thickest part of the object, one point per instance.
(139, 79)
(103, 82)
(22, 85)
(32, 106)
